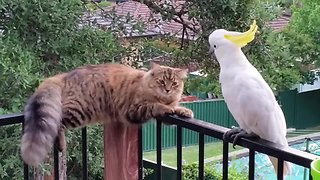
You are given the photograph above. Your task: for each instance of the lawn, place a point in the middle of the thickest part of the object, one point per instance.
(189, 153)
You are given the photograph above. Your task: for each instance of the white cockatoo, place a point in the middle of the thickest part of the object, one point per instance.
(247, 95)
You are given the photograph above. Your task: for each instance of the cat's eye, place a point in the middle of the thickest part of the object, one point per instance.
(174, 83)
(162, 82)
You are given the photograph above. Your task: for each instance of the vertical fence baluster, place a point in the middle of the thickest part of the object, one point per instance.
(201, 156)
(25, 166)
(225, 160)
(159, 147)
(140, 154)
(251, 164)
(25, 171)
(84, 154)
(280, 169)
(179, 152)
(56, 163)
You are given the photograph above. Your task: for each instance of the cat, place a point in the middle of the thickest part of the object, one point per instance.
(97, 94)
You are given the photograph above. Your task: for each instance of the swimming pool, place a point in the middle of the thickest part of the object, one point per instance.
(264, 169)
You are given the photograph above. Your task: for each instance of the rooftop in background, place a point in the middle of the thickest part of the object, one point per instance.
(281, 22)
(154, 22)
(142, 12)
(154, 25)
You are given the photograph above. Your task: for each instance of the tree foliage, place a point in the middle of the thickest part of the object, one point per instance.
(42, 38)
(303, 32)
(297, 45)
(272, 53)
(39, 39)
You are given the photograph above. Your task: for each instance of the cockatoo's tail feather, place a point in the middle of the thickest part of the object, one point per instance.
(244, 38)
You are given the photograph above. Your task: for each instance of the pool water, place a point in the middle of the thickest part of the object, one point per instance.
(264, 169)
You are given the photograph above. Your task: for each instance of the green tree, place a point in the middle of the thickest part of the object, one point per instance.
(303, 32)
(39, 39)
(277, 65)
(298, 44)
(42, 38)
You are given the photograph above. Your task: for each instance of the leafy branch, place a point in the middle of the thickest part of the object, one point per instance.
(168, 10)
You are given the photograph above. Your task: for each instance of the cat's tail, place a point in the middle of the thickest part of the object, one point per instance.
(42, 114)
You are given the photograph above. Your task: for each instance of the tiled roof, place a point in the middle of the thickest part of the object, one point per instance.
(142, 12)
(279, 23)
(154, 25)
(139, 12)
(153, 21)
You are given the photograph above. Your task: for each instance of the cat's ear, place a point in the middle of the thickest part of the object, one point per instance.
(182, 73)
(154, 65)
(151, 72)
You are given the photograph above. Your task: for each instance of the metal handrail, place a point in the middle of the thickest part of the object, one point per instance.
(203, 128)
(254, 145)
(18, 118)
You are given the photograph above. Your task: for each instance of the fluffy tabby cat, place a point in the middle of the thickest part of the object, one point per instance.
(97, 94)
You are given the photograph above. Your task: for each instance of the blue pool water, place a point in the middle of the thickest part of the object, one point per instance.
(264, 169)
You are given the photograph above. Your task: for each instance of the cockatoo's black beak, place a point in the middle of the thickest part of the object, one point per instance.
(211, 51)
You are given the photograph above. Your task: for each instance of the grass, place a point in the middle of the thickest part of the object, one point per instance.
(189, 153)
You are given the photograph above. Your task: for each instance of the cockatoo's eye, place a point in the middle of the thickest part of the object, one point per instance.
(214, 46)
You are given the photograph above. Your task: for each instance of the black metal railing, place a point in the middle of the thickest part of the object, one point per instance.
(254, 145)
(19, 119)
(203, 128)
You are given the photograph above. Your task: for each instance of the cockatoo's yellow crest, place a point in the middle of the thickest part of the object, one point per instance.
(244, 38)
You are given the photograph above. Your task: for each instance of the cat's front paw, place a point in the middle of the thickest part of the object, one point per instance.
(163, 110)
(182, 111)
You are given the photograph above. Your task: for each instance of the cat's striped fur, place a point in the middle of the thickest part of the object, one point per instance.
(97, 94)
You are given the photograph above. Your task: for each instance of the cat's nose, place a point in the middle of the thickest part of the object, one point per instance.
(167, 90)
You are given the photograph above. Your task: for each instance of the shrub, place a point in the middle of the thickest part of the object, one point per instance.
(191, 171)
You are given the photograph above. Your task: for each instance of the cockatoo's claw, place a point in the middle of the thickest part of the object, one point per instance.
(234, 146)
(242, 134)
(230, 134)
(236, 137)
(235, 134)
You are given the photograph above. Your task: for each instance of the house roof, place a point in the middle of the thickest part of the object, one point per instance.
(142, 12)
(279, 23)
(154, 25)
(152, 20)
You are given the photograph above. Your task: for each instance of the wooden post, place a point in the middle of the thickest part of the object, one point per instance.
(62, 169)
(120, 152)
(63, 165)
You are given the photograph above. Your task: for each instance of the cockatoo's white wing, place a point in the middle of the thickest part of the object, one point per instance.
(253, 105)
